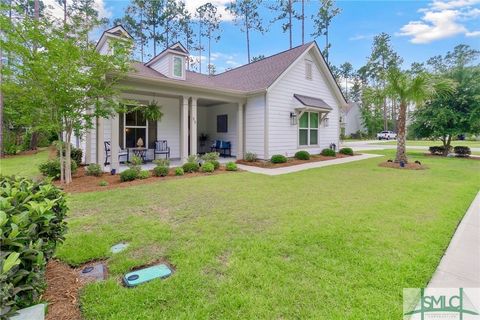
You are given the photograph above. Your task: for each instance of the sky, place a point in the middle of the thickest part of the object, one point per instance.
(418, 29)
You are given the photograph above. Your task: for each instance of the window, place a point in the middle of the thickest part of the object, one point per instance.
(177, 66)
(222, 123)
(308, 70)
(308, 129)
(135, 128)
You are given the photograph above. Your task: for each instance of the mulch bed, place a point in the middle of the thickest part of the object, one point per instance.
(83, 183)
(63, 286)
(290, 161)
(408, 166)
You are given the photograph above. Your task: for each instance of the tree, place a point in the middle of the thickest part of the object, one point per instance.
(134, 22)
(302, 18)
(66, 84)
(285, 12)
(212, 69)
(322, 21)
(185, 29)
(346, 70)
(411, 89)
(246, 15)
(258, 58)
(209, 19)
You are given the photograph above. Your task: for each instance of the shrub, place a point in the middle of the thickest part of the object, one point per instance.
(160, 171)
(250, 157)
(32, 224)
(231, 166)
(75, 154)
(162, 162)
(192, 158)
(328, 152)
(211, 156)
(190, 167)
(179, 171)
(278, 158)
(347, 151)
(103, 183)
(129, 175)
(143, 174)
(302, 155)
(208, 167)
(462, 151)
(94, 170)
(439, 150)
(51, 168)
(135, 164)
(216, 163)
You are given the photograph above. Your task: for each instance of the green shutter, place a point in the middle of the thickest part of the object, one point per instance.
(152, 134)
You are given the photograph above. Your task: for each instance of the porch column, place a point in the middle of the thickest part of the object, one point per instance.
(114, 144)
(193, 126)
(100, 140)
(184, 129)
(240, 131)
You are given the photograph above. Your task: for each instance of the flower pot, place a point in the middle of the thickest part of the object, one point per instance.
(113, 171)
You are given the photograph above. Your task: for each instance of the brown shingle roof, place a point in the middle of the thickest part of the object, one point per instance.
(254, 76)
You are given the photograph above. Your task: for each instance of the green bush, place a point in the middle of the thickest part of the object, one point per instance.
(162, 162)
(208, 167)
(31, 225)
(135, 164)
(103, 183)
(328, 152)
(439, 150)
(160, 171)
(143, 174)
(75, 154)
(190, 167)
(129, 175)
(179, 171)
(210, 156)
(231, 166)
(94, 169)
(347, 151)
(278, 158)
(302, 155)
(51, 168)
(250, 157)
(462, 151)
(216, 163)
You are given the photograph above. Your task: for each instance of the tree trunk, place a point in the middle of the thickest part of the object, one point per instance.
(209, 62)
(154, 41)
(1, 105)
(34, 141)
(446, 145)
(401, 134)
(303, 22)
(248, 37)
(290, 21)
(60, 152)
(68, 158)
(200, 47)
(326, 43)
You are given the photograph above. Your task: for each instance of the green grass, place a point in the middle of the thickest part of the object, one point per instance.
(23, 165)
(427, 143)
(338, 242)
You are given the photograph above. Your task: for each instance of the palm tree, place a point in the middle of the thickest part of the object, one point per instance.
(409, 89)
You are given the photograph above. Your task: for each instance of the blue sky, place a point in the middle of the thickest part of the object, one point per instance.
(419, 30)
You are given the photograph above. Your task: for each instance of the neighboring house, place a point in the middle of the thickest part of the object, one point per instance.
(278, 105)
(352, 119)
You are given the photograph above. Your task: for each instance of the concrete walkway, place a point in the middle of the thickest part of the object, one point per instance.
(309, 165)
(460, 265)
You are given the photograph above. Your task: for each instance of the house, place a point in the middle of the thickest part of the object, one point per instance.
(352, 119)
(278, 105)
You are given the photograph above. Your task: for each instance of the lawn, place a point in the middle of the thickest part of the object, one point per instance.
(23, 165)
(339, 242)
(427, 143)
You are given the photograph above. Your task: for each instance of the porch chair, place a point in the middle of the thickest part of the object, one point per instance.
(222, 147)
(121, 153)
(161, 147)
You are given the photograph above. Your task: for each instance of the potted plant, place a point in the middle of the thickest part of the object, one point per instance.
(203, 137)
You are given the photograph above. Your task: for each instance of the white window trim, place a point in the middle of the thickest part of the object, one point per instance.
(309, 145)
(182, 64)
(125, 127)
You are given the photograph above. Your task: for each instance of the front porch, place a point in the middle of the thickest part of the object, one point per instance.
(189, 125)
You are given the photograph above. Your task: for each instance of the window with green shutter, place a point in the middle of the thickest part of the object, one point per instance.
(308, 129)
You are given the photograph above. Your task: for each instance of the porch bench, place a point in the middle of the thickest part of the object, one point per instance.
(222, 147)
(121, 153)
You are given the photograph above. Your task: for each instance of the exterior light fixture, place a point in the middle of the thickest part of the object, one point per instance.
(293, 118)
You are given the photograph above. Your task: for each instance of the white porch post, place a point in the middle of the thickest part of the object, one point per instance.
(240, 131)
(100, 144)
(193, 126)
(114, 144)
(184, 129)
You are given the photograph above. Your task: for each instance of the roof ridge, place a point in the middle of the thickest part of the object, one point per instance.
(273, 55)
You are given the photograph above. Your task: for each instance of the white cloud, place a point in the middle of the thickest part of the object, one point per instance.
(56, 10)
(442, 19)
(192, 6)
(361, 37)
(473, 34)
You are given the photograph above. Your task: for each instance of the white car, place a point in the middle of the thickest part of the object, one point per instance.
(386, 135)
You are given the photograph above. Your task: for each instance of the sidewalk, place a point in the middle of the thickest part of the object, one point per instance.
(310, 165)
(460, 265)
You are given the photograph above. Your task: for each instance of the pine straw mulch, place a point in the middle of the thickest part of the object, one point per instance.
(83, 183)
(63, 286)
(408, 166)
(290, 161)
